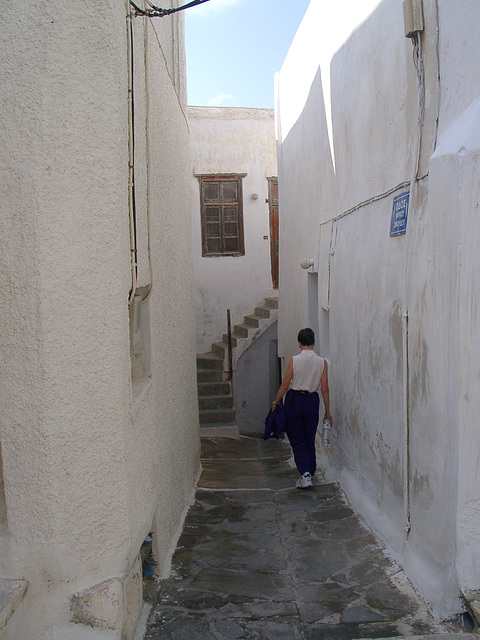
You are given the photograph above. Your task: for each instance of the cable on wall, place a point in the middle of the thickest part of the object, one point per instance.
(416, 37)
(157, 12)
(439, 86)
(420, 75)
(131, 159)
(147, 145)
(131, 162)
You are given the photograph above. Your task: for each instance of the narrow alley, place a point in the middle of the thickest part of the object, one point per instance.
(259, 559)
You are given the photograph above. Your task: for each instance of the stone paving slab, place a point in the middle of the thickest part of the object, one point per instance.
(259, 559)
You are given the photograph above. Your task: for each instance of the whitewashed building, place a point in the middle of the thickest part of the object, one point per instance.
(235, 254)
(99, 413)
(368, 122)
(236, 147)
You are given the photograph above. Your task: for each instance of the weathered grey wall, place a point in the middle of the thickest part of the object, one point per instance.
(232, 140)
(257, 382)
(91, 463)
(399, 315)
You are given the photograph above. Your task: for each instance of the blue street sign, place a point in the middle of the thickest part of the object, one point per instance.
(398, 225)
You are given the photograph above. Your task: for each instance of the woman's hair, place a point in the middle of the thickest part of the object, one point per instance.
(306, 337)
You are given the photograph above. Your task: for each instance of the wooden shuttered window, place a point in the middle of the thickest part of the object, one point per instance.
(222, 215)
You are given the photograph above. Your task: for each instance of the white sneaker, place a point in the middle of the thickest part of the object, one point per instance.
(304, 482)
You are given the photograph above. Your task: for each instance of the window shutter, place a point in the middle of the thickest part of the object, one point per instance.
(222, 215)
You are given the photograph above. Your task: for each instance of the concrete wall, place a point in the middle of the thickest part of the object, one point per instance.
(397, 316)
(92, 462)
(232, 140)
(257, 380)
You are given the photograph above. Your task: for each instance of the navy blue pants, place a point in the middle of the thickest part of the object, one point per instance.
(301, 412)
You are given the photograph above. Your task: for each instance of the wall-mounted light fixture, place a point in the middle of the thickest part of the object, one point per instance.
(306, 263)
(254, 196)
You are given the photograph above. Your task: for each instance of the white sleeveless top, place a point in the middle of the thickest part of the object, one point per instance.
(307, 371)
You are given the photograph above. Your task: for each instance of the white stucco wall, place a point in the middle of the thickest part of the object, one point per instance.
(405, 462)
(232, 140)
(89, 467)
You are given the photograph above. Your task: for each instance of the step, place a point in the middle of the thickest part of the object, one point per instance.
(271, 302)
(209, 375)
(263, 311)
(242, 329)
(235, 338)
(220, 430)
(209, 403)
(215, 416)
(219, 349)
(209, 361)
(214, 388)
(252, 320)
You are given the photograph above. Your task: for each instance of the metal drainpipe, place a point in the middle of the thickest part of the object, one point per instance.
(147, 148)
(420, 73)
(131, 158)
(406, 426)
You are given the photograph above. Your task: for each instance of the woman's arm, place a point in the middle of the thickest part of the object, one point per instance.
(285, 384)
(325, 391)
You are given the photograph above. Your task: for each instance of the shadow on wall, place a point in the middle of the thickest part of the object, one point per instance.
(257, 380)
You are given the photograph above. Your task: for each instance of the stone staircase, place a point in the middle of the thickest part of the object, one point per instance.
(215, 397)
(215, 390)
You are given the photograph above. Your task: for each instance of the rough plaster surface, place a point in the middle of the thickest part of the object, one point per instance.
(113, 604)
(105, 466)
(12, 593)
(342, 174)
(232, 140)
(100, 606)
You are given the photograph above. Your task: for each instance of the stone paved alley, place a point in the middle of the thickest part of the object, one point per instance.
(259, 559)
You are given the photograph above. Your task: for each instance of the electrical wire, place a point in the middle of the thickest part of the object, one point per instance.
(147, 144)
(158, 12)
(439, 86)
(420, 75)
(414, 179)
(131, 161)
